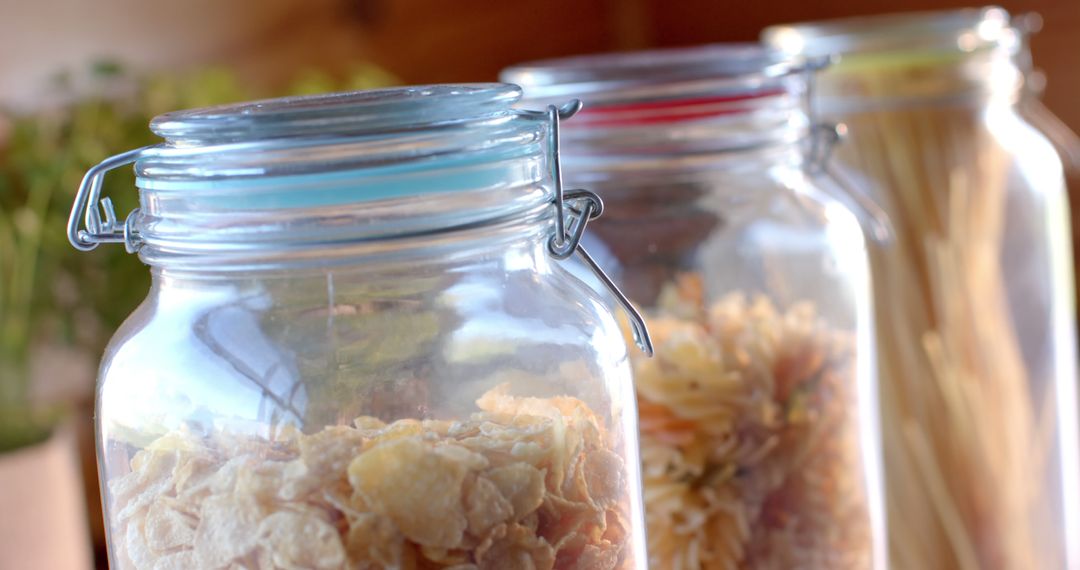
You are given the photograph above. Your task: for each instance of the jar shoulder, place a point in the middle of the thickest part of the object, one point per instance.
(1035, 164)
(341, 344)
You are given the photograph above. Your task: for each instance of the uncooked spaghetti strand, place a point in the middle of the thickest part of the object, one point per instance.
(929, 144)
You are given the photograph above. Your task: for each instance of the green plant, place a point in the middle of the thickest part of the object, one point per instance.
(49, 292)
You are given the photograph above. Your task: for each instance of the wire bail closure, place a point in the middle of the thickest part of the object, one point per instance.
(86, 207)
(93, 219)
(822, 141)
(573, 210)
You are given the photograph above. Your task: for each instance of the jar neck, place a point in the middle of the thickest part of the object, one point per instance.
(894, 80)
(404, 206)
(788, 152)
(730, 124)
(519, 243)
(434, 245)
(336, 175)
(909, 58)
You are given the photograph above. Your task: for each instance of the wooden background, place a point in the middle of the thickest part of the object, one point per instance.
(426, 41)
(430, 41)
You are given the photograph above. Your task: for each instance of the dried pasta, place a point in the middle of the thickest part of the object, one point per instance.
(527, 483)
(749, 440)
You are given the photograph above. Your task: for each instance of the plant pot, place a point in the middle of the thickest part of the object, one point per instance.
(43, 520)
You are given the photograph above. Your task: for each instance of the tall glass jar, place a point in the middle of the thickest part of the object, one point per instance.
(977, 338)
(758, 413)
(358, 350)
(1035, 113)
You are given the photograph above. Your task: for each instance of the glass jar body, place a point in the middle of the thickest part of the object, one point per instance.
(758, 414)
(457, 407)
(1065, 142)
(977, 333)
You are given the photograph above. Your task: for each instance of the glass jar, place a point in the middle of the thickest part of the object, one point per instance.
(1035, 112)
(977, 339)
(358, 351)
(757, 415)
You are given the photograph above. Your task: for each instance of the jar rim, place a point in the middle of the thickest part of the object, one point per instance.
(960, 31)
(620, 78)
(344, 113)
(334, 168)
(674, 101)
(900, 60)
(356, 133)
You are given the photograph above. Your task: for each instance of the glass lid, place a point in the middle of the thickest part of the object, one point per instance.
(964, 30)
(350, 113)
(665, 74)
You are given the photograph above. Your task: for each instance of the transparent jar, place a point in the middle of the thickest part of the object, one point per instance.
(977, 339)
(358, 351)
(758, 414)
(1036, 113)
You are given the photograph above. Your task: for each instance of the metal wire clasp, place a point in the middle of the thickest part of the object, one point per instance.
(573, 210)
(87, 202)
(823, 139)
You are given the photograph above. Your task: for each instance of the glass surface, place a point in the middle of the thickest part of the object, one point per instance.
(406, 382)
(371, 112)
(977, 339)
(758, 412)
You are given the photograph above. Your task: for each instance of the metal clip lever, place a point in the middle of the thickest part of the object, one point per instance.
(555, 114)
(824, 138)
(87, 202)
(583, 206)
(637, 323)
(580, 215)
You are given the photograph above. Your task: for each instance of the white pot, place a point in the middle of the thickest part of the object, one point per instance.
(42, 507)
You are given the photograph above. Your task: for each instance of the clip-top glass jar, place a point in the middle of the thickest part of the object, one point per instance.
(359, 350)
(1038, 115)
(758, 413)
(978, 339)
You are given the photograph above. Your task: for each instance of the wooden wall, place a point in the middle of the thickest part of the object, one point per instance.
(426, 41)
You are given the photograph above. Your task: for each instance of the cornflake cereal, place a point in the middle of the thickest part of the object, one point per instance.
(526, 483)
(749, 437)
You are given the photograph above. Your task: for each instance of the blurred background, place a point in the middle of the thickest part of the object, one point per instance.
(79, 80)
